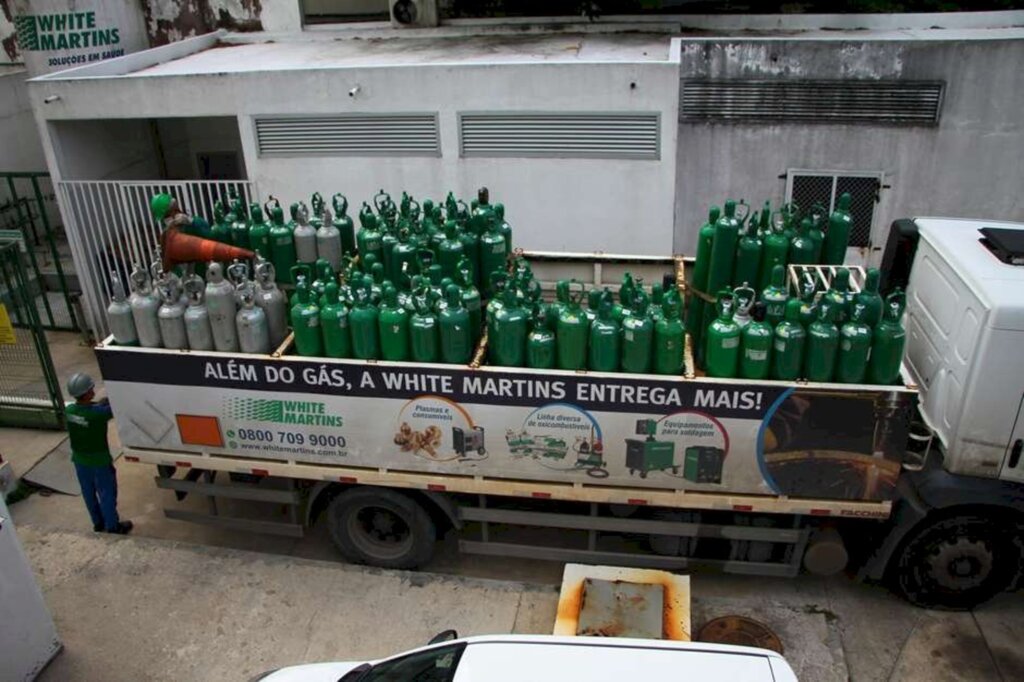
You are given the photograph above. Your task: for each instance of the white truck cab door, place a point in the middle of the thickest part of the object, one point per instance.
(1013, 460)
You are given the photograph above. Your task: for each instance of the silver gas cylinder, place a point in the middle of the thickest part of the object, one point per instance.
(119, 315)
(273, 301)
(220, 302)
(171, 315)
(253, 332)
(197, 317)
(144, 304)
(328, 241)
(304, 236)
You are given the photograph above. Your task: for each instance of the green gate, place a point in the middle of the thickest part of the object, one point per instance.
(28, 210)
(29, 389)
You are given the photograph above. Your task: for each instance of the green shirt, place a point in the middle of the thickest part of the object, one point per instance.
(87, 428)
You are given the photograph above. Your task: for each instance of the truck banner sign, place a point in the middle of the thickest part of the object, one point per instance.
(638, 430)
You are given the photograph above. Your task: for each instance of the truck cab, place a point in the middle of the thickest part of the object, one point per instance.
(956, 538)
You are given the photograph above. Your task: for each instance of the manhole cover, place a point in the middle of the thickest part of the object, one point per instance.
(740, 631)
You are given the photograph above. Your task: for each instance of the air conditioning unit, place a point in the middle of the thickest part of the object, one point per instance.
(413, 13)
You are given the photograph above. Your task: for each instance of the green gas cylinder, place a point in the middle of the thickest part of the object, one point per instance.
(368, 238)
(561, 301)
(305, 316)
(540, 343)
(492, 248)
(637, 336)
(504, 228)
(604, 338)
(775, 295)
(456, 333)
(808, 304)
(775, 250)
(221, 229)
(430, 226)
(282, 244)
(593, 303)
(787, 354)
(377, 283)
(756, 345)
(334, 324)
(870, 299)
(669, 336)
(240, 227)
(854, 348)
(657, 296)
(838, 295)
(470, 297)
(304, 273)
(259, 232)
(343, 222)
(802, 249)
(324, 275)
(626, 293)
(837, 239)
(748, 256)
(424, 332)
(572, 330)
(888, 342)
(506, 332)
(403, 261)
(815, 231)
(393, 323)
(388, 239)
(449, 250)
(723, 255)
(363, 323)
(722, 352)
(471, 250)
(699, 281)
(822, 346)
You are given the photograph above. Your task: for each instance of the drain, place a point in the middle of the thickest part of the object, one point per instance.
(740, 631)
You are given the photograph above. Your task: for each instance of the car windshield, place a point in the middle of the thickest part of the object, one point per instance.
(432, 665)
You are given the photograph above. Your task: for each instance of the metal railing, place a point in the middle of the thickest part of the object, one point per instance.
(110, 227)
(29, 389)
(28, 207)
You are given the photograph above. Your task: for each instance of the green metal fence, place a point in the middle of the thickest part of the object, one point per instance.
(28, 207)
(29, 389)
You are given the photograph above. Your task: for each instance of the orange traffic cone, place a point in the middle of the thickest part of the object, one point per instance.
(178, 247)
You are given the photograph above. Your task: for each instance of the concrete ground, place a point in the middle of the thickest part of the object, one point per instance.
(188, 602)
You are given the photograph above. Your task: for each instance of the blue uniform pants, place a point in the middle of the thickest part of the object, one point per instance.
(99, 490)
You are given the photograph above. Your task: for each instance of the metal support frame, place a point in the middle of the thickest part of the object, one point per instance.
(794, 539)
(213, 491)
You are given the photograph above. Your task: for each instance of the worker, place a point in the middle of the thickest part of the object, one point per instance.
(87, 427)
(168, 213)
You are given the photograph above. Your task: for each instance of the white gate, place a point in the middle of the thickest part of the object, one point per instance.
(110, 227)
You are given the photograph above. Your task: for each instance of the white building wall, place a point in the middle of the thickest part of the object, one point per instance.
(623, 206)
(20, 148)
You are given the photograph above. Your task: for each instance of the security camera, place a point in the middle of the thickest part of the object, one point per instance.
(353, 91)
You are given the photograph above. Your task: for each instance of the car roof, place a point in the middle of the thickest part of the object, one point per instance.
(539, 659)
(620, 642)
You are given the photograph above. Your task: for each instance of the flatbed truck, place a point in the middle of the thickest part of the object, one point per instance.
(917, 483)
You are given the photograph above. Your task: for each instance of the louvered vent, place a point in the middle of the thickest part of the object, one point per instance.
(349, 135)
(810, 101)
(569, 135)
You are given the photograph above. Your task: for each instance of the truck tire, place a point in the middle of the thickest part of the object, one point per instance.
(954, 563)
(381, 527)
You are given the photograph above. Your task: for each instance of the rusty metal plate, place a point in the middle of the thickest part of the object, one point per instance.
(613, 608)
(741, 631)
(674, 600)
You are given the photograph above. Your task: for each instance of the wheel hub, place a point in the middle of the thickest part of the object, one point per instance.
(961, 564)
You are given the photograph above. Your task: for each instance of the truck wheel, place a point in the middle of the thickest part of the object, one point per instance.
(382, 528)
(955, 563)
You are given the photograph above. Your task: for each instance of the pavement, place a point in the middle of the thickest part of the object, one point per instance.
(190, 602)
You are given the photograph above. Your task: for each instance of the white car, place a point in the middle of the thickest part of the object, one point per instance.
(535, 658)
